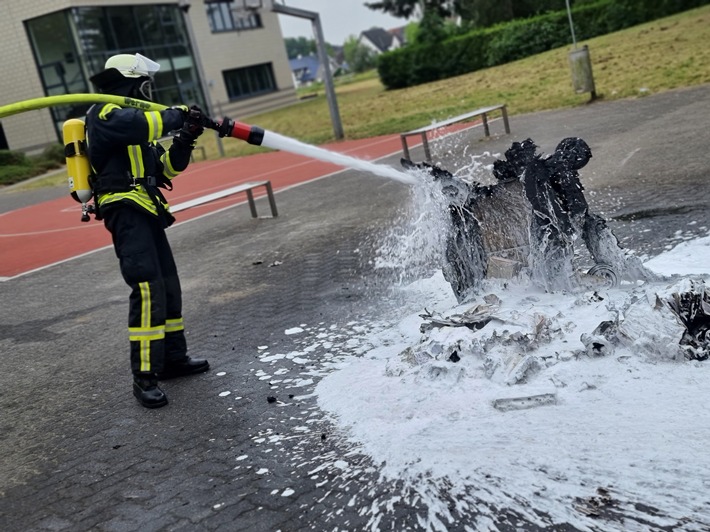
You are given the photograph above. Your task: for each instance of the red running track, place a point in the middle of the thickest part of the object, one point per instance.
(40, 235)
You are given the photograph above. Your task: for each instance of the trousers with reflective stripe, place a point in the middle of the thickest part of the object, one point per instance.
(155, 326)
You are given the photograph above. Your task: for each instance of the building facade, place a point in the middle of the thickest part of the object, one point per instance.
(230, 61)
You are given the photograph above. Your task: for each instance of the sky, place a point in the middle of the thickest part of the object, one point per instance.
(540, 413)
(339, 18)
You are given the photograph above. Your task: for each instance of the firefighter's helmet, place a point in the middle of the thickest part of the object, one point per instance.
(127, 75)
(133, 66)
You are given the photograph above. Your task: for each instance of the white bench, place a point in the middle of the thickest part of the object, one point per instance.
(482, 112)
(244, 187)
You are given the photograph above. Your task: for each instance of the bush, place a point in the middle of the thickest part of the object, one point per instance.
(14, 173)
(523, 38)
(16, 166)
(420, 63)
(54, 153)
(13, 158)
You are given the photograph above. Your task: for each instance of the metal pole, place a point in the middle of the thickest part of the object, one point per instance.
(571, 25)
(323, 56)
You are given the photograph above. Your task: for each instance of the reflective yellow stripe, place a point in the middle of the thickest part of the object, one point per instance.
(106, 109)
(135, 154)
(155, 125)
(174, 325)
(145, 324)
(168, 169)
(138, 334)
(139, 196)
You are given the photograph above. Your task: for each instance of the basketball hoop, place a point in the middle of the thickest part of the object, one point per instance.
(247, 5)
(246, 13)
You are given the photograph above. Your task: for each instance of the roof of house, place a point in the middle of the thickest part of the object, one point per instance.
(379, 37)
(305, 67)
(398, 32)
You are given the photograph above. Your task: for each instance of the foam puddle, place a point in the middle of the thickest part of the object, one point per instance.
(622, 446)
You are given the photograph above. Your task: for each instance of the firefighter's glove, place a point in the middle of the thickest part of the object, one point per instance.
(226, 127)
(191, 127)
(194, 122)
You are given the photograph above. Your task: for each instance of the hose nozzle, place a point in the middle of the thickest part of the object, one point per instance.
(239, 130)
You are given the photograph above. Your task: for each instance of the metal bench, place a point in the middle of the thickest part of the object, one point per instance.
(422, 131)
(244, 187)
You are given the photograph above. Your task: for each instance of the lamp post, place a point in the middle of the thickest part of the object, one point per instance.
(314, 17)
(580, 64)
(571, 25)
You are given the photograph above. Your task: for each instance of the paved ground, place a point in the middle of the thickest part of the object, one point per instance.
(78, 453)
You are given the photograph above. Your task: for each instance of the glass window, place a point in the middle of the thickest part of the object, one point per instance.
(72, 45)
(249, 81)
(58, 62)
(223, 15)
(56, 54)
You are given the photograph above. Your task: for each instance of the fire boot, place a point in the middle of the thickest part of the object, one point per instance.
(183, 367)
(146, 390)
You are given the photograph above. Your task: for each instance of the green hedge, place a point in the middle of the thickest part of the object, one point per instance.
(13, 158)
(13, 173)
(419, 63)
(16, 166)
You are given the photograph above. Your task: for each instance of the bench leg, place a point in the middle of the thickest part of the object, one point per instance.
(405, 148)
(272, 201)
(486, 129)
(252, 205)
(505, 120)
(425, 142)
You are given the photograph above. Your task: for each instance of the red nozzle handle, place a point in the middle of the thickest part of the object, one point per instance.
(251, 134)
(239, 130)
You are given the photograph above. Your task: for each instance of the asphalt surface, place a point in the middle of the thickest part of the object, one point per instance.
(78, 453)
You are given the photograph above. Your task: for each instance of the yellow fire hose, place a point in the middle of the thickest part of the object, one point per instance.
(69, 99)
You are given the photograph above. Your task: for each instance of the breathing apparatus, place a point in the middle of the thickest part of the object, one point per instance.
(78, 167)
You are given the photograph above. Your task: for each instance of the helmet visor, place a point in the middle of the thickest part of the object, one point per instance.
(133, 66)
(145, 66)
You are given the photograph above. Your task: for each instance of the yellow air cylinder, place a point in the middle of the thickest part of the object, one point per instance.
(78, 167)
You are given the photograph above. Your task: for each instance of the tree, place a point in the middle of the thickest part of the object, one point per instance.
(432, 28)
(485, 13)
(476, 13)
(359, 57)
(299, 46)
(409, 8)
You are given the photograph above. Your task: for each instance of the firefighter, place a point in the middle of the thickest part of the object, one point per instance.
(129, 169)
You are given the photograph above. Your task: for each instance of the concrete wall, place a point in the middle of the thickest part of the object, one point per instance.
(19, 78)
(230, 50)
